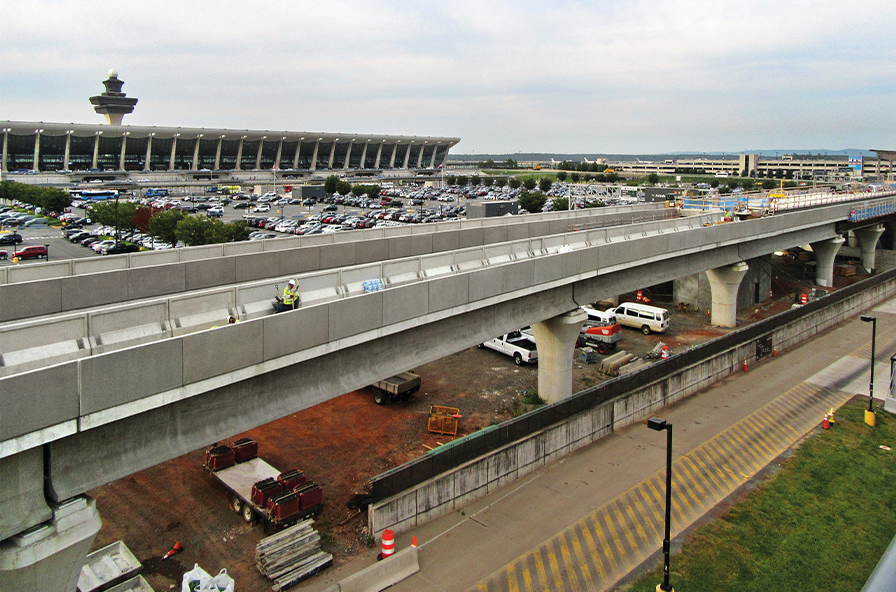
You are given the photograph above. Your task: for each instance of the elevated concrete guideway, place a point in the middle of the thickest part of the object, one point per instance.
(107, 415)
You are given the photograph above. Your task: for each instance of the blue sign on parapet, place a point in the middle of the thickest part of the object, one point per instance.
(875, 211)
(373, 286)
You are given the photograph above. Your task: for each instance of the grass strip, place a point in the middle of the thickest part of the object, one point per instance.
(821, 523)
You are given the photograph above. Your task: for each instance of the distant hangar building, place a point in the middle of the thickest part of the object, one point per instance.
(118, 150)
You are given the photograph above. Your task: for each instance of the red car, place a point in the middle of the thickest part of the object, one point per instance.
(32, 252)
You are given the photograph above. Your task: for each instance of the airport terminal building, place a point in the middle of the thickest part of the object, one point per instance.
(73, 148)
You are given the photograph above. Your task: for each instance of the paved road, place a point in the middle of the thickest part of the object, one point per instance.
(589, 519)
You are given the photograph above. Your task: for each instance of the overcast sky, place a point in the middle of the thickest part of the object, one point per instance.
(605, 76)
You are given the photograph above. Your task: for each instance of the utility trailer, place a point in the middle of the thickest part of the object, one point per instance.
(397, 388)
(258, 491)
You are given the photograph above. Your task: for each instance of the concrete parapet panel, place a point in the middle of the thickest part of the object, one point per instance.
(543, 228)
(399, 509)
(209, 273)
(405, 302)
(435, 492)
(518, 231)
(255, 266)
(445, 241)
(98, 264)
(501, 464)
(317, 240)
(530, 454)
(186, 307)
(470, 237)
(201, 252)
(94, 290)
(353, 279)
(372, 250)
(437, 264)
(399, 246)
(469, 258)
(150, 258)
(355, 315)
(40, 333)
(494, 234)
(296, 261)
(449, 292)
(125, 375)
(548, 269)
(402, 271)
(126, 317)
(581, 428)
(497, 254)
(556, 442)
(39, 399)
(338, 255)
(421, 244)
(470, 481)
(3, 277)
(243, 248)
(215, 352)
(518, 275)
(485, 283)
(22, 502)
(320, 287)
(156, 281)
(282, 243)
(30, 299)
(30, 272)
(520, 249)
(294, 331)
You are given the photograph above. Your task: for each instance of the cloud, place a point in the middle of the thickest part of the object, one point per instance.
(567, 76)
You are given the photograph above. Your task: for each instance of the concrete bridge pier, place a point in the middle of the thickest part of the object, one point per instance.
(556, 339)
(868, 238)
(49, 556)
(825, 253)
(724, 283)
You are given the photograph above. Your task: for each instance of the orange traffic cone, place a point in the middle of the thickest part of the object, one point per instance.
(775, 353)
(177, 548)
(745, 365)
(826, 424)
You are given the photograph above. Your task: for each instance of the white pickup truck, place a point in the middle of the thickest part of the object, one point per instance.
(520, 346)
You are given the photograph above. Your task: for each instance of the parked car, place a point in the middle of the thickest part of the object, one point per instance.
(119, 248)
(32, 252)
(10, 238)
(642, 316)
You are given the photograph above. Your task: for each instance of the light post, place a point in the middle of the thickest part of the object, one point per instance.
(47, 258)
(655, 423)
(869, 414)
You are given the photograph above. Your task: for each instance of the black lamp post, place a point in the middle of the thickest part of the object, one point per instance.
(655, 423)
(47, 247)
(869, 415)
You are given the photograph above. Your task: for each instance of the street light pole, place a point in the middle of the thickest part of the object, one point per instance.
(869, 415)
(655, 423)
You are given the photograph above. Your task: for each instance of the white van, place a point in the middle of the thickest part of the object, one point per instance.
(641, 316)
(599, 317)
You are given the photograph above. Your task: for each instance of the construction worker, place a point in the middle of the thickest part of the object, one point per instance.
(290, 298)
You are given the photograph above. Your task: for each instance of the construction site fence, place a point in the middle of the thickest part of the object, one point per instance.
(453, 454)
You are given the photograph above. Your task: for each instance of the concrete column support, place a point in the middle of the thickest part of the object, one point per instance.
(868, 238)
(68, 151)
(96, 148)
(314, 156)
(147, 164)
(218, 154)
(35, 163)
(364, 155)
(50, 555)
(376, 165)
(239, 155)
(825, 252)
(556, 339)
(724, 283)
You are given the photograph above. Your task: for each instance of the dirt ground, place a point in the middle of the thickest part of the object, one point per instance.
(341, 444)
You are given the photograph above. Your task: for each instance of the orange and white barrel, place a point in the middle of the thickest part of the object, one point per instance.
(388, 543)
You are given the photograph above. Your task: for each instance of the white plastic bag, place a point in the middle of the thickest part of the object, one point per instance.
(220, 583)
(195, 580)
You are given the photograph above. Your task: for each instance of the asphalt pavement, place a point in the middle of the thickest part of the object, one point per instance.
(591, 518)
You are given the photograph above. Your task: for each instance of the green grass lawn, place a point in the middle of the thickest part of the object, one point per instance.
(821, 523)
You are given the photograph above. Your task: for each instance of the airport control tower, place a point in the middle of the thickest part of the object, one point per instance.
(113, 103)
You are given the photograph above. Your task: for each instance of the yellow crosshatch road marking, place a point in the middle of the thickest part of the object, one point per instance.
(574, 560)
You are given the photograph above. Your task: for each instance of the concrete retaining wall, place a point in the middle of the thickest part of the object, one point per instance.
(472, 480)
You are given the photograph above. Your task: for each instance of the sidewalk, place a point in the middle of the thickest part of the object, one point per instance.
(589, 518)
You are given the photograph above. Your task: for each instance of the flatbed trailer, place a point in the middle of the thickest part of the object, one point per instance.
(397, 388)
(239, 480)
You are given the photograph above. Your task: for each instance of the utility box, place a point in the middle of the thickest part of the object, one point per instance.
(489, 209)
(306, 191)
